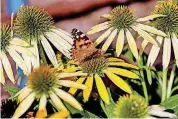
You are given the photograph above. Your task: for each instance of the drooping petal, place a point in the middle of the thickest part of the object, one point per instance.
(89, 84)
(143, 46)
(18, 60)
(68, 98)
(150, 17)
(42, 112)
(65, 75)
(109, 40)
(123, 64)
(97, 28)
(113, 59)
(166, 52)
(175, 47)
(22, 50)
(57, 102)
(72, 84)
(120, 42)
(103, 36)
(150, 29)
(123, 72)
(35, 61)
(145, 35)
(24, 105)
(2, 80)
(101, 89)
(19, 42)
(66, 36)
(24, 94)
(7, 66)
(118, 81)
(132, 44)
(49, 51)
(61, 114)
(28, 62)
(154, 52)
(74, 90)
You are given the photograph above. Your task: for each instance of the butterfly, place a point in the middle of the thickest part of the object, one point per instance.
(83, 48)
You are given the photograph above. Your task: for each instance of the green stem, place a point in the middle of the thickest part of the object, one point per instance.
(164, 85)
(143, 81)
(170, 83)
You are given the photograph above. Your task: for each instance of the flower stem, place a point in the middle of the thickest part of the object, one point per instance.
(171, 81)
(143, 81)
(164, 85)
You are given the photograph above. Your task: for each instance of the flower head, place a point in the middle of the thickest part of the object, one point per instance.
(121, 21)
(131, 106)
(12, 46)
(97, 68)
(43, 83)
(35, 26)
(169, 24)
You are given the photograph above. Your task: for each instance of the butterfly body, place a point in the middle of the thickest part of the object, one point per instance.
(83, 47)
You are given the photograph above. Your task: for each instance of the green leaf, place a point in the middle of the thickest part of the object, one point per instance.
(149, 77)
(88, 114)
(171, 103)
(72, 109)
(11, 90)
(108, 108)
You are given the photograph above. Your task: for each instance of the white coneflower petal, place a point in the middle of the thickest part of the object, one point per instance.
(18, 59)
(7, 66)
(150, 17)
(97, 29)
(150, 29)
(103, 36)
(109, 40)
(66, 35)
(35, 61)
(154, 52)
(166, 52)
(2, 80)
(19, 42)
(68, 98)
(43, 102)
(57, 102)
(145, 35)
(49, 51)
(175, 47)
(21, 91)
(65, 75)
(107, 16)
(24, 94)
(120, 42)
(143, 45)
(72, 84)
(132, 44)
(100, 25)
(24, 105)
(28, 62)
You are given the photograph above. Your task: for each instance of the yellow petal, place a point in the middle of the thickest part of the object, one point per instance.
(2, 80)
(7, 66)
(103, 36)
(154, 52)
(68, 98)
(24, 94)
(72, 84)
(109, 40)
(65, 75)
(49, 51)
(145, 35)
(120, 42)
(118, 81)
(132, 44)
(150, 29)
(101, 89)
(24, 105)
(42, 112)
(113, 59)
(175, 47)
(123, 72)
(166, 52)
(74, 90)
(123, 64)
(98, 28)
(61, 114)
(151, 17)
(89, 84)
(57, 102)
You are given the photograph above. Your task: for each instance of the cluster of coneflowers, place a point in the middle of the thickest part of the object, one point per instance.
(28, 41)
